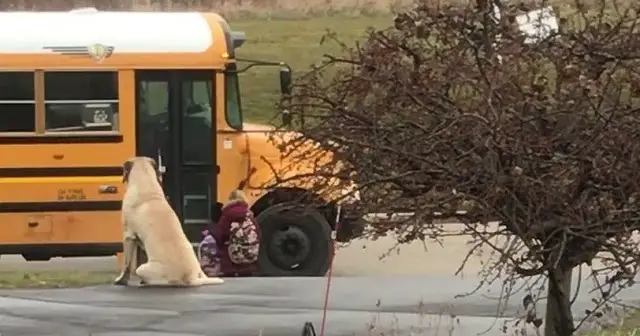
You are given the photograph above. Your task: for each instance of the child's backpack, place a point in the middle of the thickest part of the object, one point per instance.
(244, 241)
(207, 253)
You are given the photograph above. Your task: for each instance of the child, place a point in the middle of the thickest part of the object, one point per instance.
(238, 238)
(208, 255)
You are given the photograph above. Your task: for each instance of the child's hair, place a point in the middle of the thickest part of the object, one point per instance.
(237, 195)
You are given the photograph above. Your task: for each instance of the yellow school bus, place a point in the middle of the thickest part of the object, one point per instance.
(82, 91)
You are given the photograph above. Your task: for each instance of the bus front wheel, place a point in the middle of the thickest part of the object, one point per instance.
(296, 241)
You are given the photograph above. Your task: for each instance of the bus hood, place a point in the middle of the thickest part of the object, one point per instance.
(266, 155)
(264, 142)
(251, 127)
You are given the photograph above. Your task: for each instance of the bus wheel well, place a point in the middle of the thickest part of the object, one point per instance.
(296, 195)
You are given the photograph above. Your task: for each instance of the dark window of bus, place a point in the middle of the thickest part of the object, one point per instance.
(17, 102)
(81, 101)
(232, 99)
(197, 122)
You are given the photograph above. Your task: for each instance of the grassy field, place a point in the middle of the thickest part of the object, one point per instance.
(295, 41)
(628, 326)
(54, 279)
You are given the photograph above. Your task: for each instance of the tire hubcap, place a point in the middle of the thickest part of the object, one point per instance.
(289, 247)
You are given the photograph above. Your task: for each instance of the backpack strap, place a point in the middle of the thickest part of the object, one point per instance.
(199, 250)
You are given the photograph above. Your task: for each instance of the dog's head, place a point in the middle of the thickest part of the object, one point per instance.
(128, 165)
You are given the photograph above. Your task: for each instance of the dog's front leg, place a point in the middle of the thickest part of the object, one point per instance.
(129, 247)
(139, 250)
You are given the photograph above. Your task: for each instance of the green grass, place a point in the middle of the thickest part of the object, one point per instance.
(295, 41)
(54, 279)
(627, 326)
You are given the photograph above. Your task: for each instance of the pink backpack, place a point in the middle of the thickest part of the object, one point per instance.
(244, 241)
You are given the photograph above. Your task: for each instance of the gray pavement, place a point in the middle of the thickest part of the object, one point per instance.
(409, 305)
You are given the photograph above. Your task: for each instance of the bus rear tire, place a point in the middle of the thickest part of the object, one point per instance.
(36, 257)
(296, 241)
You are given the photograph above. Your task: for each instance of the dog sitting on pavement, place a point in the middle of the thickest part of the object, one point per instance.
(149, 220)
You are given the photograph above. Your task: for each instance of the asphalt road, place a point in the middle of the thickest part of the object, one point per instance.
(415, 305)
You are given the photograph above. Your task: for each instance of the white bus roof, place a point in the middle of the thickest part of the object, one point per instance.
(125, 32)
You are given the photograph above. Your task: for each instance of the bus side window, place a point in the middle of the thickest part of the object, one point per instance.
(233, 111)
(81, 101)
(17, 102)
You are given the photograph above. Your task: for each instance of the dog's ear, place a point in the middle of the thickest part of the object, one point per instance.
(126, 170)
(153, 164)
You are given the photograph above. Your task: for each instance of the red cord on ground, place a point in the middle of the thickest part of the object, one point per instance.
(325, 308)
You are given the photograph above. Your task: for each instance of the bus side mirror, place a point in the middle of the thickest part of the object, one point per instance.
(285, 89)
(285, 79)
(286, 118)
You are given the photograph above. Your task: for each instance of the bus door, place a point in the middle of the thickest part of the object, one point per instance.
(176, 127)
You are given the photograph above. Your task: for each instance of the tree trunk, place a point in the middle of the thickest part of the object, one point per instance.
(559, 319)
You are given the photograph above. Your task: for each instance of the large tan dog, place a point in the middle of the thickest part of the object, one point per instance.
(149, 219)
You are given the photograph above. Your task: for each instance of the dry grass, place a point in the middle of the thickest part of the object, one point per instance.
(54, 279)
(295, 41)
(627, 326)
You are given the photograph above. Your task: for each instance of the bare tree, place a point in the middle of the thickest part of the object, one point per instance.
(448, 110)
